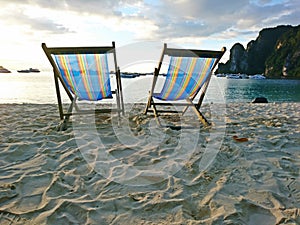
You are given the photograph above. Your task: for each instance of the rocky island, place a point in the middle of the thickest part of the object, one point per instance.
(275, 53)
(4, 70)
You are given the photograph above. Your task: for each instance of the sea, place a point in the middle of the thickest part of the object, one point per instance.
(39, 88)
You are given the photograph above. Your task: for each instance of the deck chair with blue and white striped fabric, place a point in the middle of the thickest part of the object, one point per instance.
(84, 74)
(189, 73)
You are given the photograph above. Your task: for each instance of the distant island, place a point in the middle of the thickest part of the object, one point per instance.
(30, 70)
(275, 53)
(4, 70)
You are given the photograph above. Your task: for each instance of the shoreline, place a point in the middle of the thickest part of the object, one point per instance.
(42, 89)
(47, 178)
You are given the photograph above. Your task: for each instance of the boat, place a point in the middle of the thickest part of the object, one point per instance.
(244, 76)
(233, 76)
(34, 70)
(257, 77)
(30, 70)
(129, 75)
(23, 71)
(237, 76)
(220, 75)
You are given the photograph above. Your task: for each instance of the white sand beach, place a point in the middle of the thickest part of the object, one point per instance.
(52, 177)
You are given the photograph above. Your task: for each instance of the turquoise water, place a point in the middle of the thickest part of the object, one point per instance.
(39, 88)
(277, 90)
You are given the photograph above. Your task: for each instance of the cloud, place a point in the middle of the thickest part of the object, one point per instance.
(209, 17)
(164, 19)
(83, 6)
(33, 19)
(44, 24)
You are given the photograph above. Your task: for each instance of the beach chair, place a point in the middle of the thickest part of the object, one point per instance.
(188, 76)
(84, 74)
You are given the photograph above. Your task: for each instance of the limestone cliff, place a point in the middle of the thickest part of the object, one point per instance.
(275, 52)
(4, 70)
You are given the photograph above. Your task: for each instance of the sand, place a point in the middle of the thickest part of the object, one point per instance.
(105, 171)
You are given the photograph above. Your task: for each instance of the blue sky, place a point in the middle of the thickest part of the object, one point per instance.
(205, 24)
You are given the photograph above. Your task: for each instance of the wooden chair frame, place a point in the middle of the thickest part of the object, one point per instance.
(152, 105)
(64, 116)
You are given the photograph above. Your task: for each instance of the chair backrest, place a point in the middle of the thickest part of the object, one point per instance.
(83, 71)
(188, 71)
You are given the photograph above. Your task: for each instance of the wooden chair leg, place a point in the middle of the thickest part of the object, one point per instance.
(201, 117)
(148, 104)
(63, 124)
(155, 113)
(118, 103)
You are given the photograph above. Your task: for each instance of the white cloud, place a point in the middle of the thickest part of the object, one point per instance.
(162, 19)
(179, 21)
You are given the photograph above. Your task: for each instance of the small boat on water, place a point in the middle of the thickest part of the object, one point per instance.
(220, 75)
(129, 75)
(30, 70)
(257, 77)
(233, 76)
(237, 76)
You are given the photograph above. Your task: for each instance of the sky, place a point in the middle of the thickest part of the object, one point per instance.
(202, 24)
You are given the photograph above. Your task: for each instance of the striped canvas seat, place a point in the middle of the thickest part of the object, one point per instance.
(185, 77)
(86, 75)
(188, 75)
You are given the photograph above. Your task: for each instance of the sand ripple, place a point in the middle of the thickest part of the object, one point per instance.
(45, 177)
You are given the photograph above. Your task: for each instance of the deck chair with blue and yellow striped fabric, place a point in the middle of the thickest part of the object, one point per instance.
(84, 74)
(189, 73)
